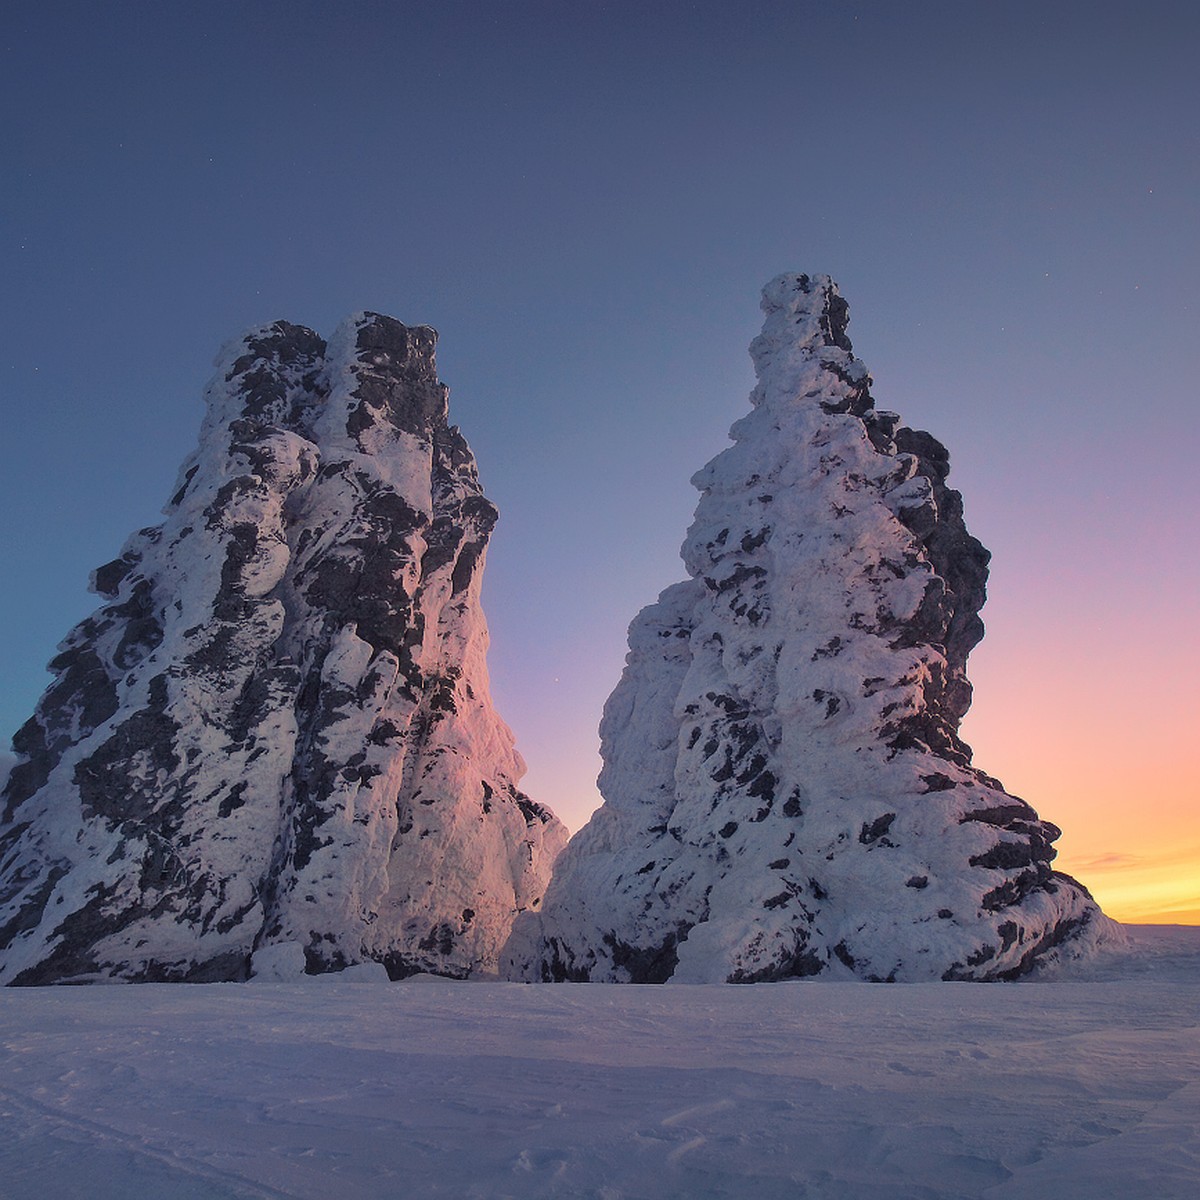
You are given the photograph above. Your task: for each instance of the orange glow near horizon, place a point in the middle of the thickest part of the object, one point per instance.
(1084, 706)
(1119, 840)
(1097, 739)
(1096, 743)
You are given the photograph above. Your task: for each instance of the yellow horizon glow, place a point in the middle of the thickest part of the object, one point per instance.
(1149, 887)
(1150, 890)
(1093, 731)
(1096, 735)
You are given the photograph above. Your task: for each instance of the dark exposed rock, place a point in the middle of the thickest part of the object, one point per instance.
(875, 830)
(653, 964)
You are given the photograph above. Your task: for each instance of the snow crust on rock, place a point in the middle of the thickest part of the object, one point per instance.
(277, 731)
(786, 792)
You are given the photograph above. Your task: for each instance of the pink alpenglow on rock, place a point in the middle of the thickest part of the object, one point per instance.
(275, 740)
(786, 793)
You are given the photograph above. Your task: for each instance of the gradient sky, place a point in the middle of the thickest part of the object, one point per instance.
(585, 200)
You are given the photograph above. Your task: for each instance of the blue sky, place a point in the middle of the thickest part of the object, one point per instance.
(585, 200)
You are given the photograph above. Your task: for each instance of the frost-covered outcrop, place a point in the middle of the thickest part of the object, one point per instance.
(277, 731)
(786, 793)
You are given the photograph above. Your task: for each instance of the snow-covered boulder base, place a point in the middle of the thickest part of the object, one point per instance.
(786, 793)
(278, 731)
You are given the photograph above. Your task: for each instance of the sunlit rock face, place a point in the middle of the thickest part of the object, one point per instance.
(276, 735)
(786, 793)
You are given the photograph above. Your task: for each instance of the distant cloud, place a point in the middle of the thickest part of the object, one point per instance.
(1108, 862)
(1159, 888)
(1117, 860)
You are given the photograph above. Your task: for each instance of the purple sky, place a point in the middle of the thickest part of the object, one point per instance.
(585, 200)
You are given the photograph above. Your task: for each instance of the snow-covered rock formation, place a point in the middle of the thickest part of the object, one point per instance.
(786, 793)
(277, 731)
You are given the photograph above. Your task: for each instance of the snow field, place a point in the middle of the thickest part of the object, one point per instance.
(435, 1088)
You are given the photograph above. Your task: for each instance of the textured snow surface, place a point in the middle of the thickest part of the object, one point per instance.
(434, 1087)
(276, 737)
(786, 793)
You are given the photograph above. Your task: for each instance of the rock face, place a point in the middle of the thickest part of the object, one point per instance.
(786, 793)
(277, 730)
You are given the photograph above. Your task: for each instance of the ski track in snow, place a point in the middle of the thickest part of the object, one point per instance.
(436, 1088)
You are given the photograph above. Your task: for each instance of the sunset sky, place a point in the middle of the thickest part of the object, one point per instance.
(585, 200)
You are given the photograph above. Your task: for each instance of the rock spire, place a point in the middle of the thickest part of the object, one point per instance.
(786, 792)
(275, 738)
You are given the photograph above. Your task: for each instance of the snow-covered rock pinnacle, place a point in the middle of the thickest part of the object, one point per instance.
(786, 792)
(276, 735)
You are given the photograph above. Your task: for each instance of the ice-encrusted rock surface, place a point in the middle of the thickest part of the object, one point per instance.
(786, 793)
(277, 730)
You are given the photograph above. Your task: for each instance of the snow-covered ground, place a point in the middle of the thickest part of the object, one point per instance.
(330, 1089)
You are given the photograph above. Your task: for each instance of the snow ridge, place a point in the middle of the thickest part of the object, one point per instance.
(277, 730)
(786, 792)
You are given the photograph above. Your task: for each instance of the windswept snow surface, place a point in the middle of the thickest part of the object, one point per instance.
(432, 1087)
